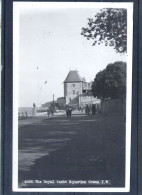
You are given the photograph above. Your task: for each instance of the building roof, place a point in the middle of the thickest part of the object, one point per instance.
(73, 76)
(48, 104)
(88, 93)
(60, 98)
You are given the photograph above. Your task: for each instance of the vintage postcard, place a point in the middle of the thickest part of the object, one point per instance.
(72, 92)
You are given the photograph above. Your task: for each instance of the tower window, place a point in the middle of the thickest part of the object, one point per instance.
(73, 92)
(73, 85)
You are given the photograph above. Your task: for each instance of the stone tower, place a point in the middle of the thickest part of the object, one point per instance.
(73, 86)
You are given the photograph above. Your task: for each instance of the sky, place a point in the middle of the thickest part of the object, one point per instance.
(50, 45)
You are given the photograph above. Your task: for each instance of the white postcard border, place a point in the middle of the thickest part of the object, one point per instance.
(16, 10)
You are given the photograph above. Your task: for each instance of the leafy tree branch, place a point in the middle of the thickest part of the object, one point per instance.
(109, 26)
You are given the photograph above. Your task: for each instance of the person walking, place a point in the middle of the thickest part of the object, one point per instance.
(93, 109)
(87, 109)
(48, 112)
(81, 108)
(67, 111)
(52, 111)
(70, 111)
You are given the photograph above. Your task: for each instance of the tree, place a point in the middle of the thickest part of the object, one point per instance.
(110, 82)
(109, 27)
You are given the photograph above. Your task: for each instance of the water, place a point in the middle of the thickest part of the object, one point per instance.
(25, 111)
(28, 111)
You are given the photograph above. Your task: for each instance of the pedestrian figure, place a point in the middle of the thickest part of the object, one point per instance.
(70, 111)
(87, 110)
(81, 108)
(52, 111)
(48, 112)
(26, 114)
(67, 111)
(93, 109)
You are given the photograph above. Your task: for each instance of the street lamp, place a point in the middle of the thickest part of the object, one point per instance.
(53, 104)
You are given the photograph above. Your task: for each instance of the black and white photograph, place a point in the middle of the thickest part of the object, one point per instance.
(72, 88)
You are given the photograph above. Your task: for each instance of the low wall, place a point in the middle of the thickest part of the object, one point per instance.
(25, 114)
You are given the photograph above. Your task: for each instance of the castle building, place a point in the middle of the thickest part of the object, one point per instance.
(77, 91)
(73, 86)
